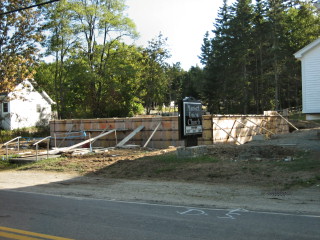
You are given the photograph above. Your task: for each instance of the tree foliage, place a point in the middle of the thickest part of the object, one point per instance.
(249, 62)
(18, 42)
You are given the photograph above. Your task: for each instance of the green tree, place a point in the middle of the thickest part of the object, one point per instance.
(301, 28)
(18, 42)
(100, 25)
(60, 44)
(154, 85)
(240, 31)
(249, 63)
(175, 75)
(217, 71)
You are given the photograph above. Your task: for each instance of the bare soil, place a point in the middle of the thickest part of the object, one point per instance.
(281, 173)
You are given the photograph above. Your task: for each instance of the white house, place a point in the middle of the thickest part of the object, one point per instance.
(310, 62)
(25, 107)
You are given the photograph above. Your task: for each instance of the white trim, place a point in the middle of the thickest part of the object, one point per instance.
(306, 49)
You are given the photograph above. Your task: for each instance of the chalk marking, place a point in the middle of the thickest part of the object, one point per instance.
(234, 212)
(195, 212)
(157, 204)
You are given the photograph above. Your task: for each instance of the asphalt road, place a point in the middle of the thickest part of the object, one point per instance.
(92, 219)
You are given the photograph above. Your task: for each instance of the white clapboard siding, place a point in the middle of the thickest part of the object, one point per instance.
(311, 81)
(310, 60)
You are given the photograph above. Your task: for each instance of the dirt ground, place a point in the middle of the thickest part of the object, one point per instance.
(277, 174)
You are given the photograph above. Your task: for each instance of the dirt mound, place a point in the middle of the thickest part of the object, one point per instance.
(304, 139)
(281, 161)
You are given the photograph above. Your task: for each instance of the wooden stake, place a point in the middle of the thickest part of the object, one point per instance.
(81, 143)
(287, 121)
(231, 130)
(131, 135)
(228, 134)
(247, 126)
(260, 126)
(154, 131)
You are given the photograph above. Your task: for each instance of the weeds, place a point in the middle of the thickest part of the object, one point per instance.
(171, 162)
(50, 164)
(303, 161)
(6, 135)
(173, 158)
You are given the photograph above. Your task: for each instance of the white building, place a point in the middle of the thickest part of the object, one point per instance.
(310, 64)
(25, 107)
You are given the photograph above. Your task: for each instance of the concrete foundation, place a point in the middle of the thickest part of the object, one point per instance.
(216, 129)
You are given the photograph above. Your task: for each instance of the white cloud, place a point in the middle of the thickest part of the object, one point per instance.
(183, 22)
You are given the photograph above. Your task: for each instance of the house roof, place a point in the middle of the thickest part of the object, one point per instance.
(27, 83)
(307, 48)
(47, 98)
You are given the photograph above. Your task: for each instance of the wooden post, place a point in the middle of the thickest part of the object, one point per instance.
(7, 152)
(36, 152)
(90, 142)
(48, 143)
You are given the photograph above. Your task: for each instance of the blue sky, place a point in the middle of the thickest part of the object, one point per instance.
(183, 22)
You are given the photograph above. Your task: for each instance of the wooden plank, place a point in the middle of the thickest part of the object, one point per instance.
(247, 126)
(259, 126)
(287, 121)
(154, 131)
(131, 135)
(228, 134)
(55, 151)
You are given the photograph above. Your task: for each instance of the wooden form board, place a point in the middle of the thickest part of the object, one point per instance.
(167, 134)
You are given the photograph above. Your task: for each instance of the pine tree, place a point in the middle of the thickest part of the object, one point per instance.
(241, 40)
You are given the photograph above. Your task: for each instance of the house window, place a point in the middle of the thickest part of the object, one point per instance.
(38, 108)
(5, 107)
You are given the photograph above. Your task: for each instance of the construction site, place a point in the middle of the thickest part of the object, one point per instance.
(256, 161)
(83, 136)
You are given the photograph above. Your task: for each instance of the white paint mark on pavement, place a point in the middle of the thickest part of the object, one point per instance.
(193, 212)
(231, 214)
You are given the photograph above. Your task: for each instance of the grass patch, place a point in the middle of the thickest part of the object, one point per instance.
(6, 165)
(6, 135)
(303, 182)
(165, 169)
(303, 161)
(50, 164)
(171, 162)
(173, 158)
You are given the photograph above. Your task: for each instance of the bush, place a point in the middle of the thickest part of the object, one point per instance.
(36, 132)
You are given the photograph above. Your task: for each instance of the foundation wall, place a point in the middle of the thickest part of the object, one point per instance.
(216, 129)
